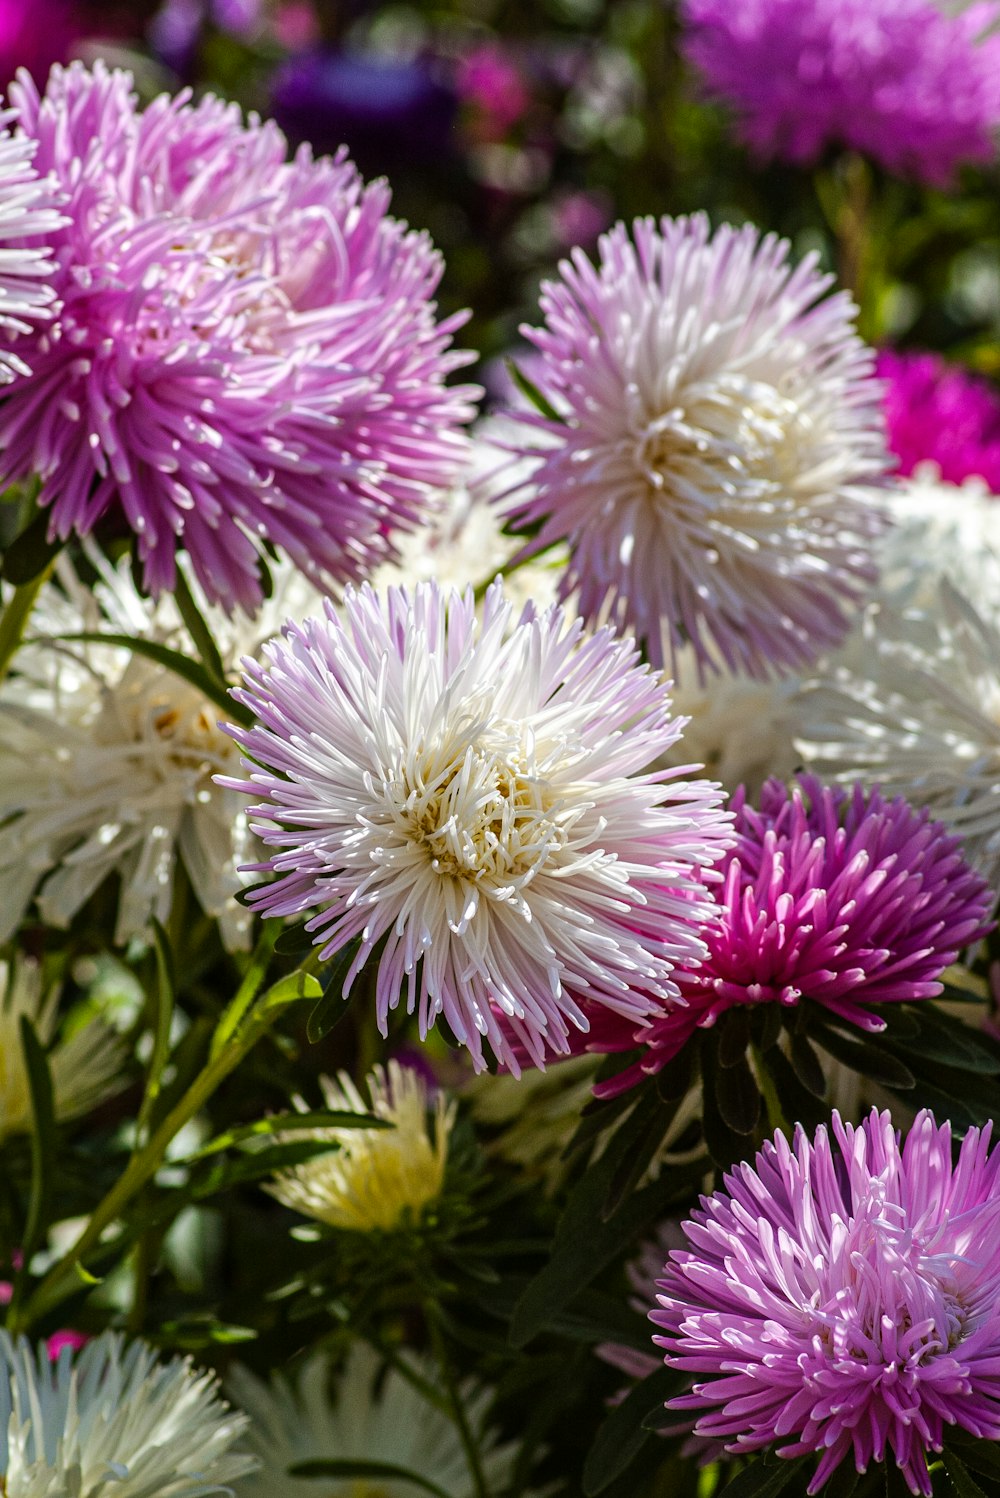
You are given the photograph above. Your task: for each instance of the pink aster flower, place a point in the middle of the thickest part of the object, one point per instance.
(842, 1297)
(27, 212)
(719, 429)
(940, 413)
(831, 895)
(246, 348)
(915, 84)
(473, 805)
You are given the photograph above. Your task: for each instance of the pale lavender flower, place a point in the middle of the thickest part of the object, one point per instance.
(718, 429)
(471, 803)
(841, 1297)
(915, 84)
(27, 212)
(246, 348)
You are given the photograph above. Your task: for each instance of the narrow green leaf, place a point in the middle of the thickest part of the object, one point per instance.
(182, 665)
(289, 990)
(734, 1036)
(288, 1123)
(365, 1469)
(960, 1477)
(199, 631)
(762, 1479)
(865, 1057)
(332, 1005)
(43, 1137)
(738, 1097)
(808, 1067)
(294, 941)
(161, 1023)
(31, 553)
(14, 619)
(532, 394)
(622, 1435)
(584, 1243)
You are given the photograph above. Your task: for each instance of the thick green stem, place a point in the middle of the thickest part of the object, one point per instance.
(141, 1168)
(14, 619)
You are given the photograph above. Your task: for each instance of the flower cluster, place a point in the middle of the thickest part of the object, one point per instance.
(912, 83)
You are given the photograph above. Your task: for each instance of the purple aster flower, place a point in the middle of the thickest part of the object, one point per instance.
(473, 805)
(940, 413)
(915, 84)
(36, 35)
(841, 1297)
(246, 348)
(27, 212)
(832, 895)
(718, 428)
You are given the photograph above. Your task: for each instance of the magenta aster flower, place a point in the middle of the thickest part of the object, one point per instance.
(246, 348)
(27, 212)
(915, 84)
(940, 413)
(831, 895)
(473, 805)
(719, 428)
(842, 1297)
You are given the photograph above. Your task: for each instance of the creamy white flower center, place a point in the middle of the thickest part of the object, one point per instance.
(163, 713)
(481, 815)
(724, 440)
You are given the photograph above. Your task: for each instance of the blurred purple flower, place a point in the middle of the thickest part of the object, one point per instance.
(841, 1297)
(912, 83)
(176, 29)
(246, 348)
(938, 412)
(387, 113)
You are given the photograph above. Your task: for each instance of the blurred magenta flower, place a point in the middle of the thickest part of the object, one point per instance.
(915, 84)
(831, 895)
(940, 413)
(840, 1297)
(36, 33)
(246, 350)
(488, 79)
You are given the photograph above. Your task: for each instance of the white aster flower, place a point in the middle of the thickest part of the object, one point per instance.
(112, 1420)
(26, 211)
(912, 701)
(718, 434)
(86, 1067)
(298, 1421)
(378, 1179)
(740, 728)
(108, 759)
(472, 797)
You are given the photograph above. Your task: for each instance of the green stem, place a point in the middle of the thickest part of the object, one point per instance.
(141, 1168)
(457, 1407)
(14, 619)
(775, 1114)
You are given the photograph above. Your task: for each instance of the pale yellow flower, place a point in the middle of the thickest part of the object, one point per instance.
(377, 1178)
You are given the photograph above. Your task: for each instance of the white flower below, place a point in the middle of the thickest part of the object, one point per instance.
(377, 1179)
(86, 1067)
(112, 1421)
(109, 756)
(302, 1420)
